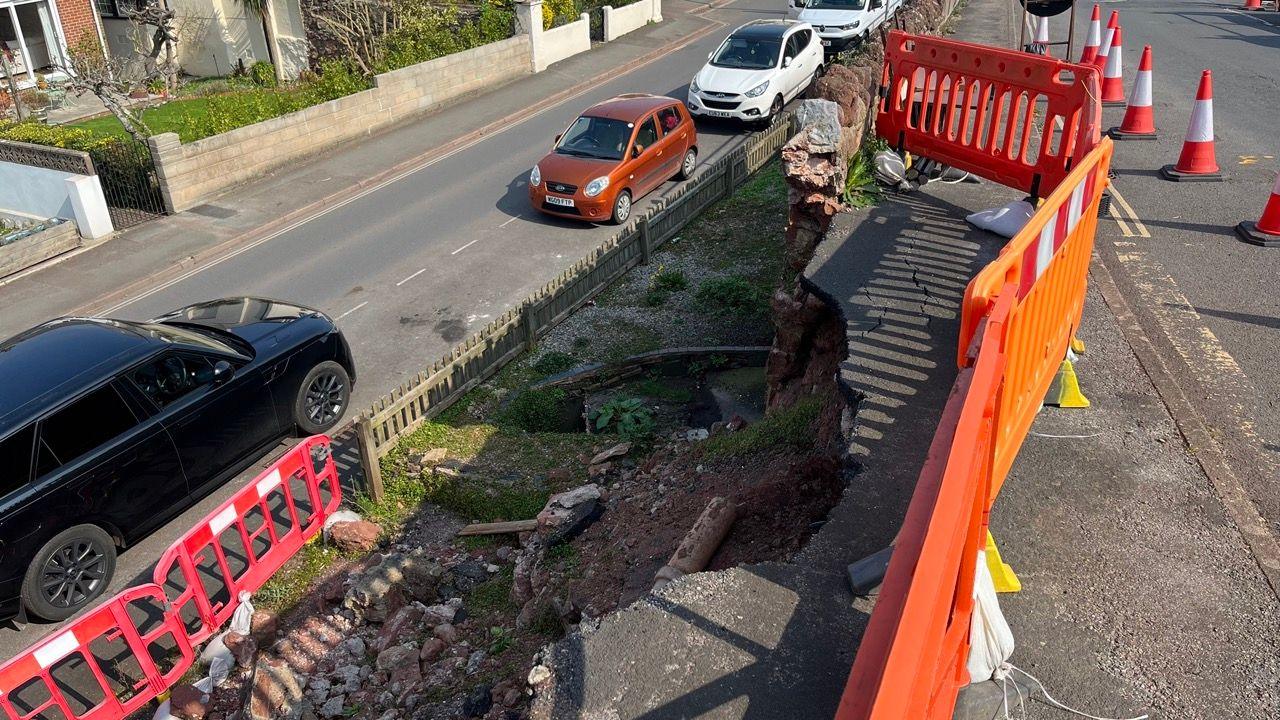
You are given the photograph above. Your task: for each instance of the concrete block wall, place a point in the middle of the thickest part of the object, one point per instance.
(628, 18)
(191, 173)
(38, 247)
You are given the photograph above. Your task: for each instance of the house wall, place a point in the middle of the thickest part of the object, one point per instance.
(79, 20)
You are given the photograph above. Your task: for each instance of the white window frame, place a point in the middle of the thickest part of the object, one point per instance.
(11, 8)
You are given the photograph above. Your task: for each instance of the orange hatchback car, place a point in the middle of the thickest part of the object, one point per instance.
(612, 155)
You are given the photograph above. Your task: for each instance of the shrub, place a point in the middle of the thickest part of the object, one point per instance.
(263, 74)
(558, 12)
(733, 295)
(62, 136)
(536, 410)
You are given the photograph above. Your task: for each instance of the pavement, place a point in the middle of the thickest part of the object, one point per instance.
(413, 239)
(1146, 588)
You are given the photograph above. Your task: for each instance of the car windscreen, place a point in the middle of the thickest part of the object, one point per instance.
(837, 4)
(596, 137)
(191, 337)
(747, 53)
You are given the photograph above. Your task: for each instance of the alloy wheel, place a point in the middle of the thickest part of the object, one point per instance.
(690, 162)
(325, 399)
(74, 573)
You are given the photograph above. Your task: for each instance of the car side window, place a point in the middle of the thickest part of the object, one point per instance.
(793, 47)
(803, 38)
(83, 426)
(15, 460)
(647, 135)
(669, 119)
(171, 377)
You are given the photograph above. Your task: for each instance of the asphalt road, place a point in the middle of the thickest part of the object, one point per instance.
(1207, 299)
(419, 264)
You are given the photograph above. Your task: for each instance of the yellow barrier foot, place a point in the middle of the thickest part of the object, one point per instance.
(1001, 574)
(1077, 345)
(1064, 392)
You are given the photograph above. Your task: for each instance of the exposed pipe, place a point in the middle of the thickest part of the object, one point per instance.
(700, 543)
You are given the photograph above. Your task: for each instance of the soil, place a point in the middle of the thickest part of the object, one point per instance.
(782, 497)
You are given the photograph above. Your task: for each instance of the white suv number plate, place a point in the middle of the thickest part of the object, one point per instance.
(563, 202)
(719, 113)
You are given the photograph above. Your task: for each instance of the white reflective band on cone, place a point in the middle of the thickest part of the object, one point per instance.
(1115, 65)
(1141, 96)
(1201, 127)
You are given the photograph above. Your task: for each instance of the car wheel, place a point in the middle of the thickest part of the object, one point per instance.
(774, 111)
(69, 572)
(322, 398)
(622, 207)
(688, 165)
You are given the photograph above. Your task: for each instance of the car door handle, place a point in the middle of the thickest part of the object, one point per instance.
(659, 152)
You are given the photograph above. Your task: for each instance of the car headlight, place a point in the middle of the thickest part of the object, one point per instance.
(535, 177)
(693, 86)
(851, 26)
(758, 90)
(595, 187)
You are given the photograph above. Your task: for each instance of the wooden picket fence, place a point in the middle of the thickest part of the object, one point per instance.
(475, 360)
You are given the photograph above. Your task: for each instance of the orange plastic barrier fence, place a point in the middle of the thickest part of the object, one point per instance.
(1048, 263)
(912, 660)
(1018, 119)
(114, 659)
(118, 667)
(239, 546)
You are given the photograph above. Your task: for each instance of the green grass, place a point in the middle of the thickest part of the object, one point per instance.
(492, 598)
(293, 582)
(788, 428)
(658, 390)
(178, 116)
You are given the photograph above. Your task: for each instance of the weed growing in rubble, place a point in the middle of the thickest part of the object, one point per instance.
(662, 283)
(860, 188)
(626, 416)
(733, 295)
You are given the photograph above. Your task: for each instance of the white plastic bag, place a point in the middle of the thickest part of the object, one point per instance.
(1006, 220)
(162, 712)
(990, 639)
(242, 618)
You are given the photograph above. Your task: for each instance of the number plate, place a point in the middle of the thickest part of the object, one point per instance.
(563, 202)
(826, 43)
(719, 113)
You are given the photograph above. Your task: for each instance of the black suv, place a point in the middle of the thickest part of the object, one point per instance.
(110, 428)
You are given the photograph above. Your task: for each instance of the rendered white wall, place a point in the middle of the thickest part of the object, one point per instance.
(53, 193)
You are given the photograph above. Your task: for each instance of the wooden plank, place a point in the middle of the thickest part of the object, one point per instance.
(369, 458)
(498, 528)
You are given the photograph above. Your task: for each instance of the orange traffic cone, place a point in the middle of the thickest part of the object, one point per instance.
(1113, 75)
(1042, 36)
(1252, 5)
(1095, 37)
(1265, 232)
(1139, 121)
(1100, 60)
(1197, 161)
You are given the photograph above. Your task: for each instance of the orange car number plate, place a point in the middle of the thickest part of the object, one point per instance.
(563, 202)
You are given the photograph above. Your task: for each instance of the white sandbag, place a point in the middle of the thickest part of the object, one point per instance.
(215, 650)
(339, 517)
(1005, 220)
(162, 712)
(990, 639)
(242, 618)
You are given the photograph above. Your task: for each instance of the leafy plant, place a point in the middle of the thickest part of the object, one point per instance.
(263, 74)
(628, 417)
(733, 295)
(500, 639)
(860, 188)
(662, 283)
(553, 362)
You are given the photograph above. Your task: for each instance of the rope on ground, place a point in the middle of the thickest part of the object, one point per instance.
(1004, 676)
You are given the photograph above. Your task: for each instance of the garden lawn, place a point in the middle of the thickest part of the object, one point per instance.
(174, 116)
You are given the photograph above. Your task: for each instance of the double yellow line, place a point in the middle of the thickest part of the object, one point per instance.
(1130, 225)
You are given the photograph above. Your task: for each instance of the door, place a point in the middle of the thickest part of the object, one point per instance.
(121, 467)
(675, 140)
(795, 70)
(215, 425)
(647, 156)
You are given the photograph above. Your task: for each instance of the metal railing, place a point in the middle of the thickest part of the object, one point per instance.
(400, 412)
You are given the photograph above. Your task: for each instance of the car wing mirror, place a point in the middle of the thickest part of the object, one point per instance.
(786, 62)
(222, 372)
(556, 141)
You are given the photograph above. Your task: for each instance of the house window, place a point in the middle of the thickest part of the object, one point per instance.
(117, 8)
(30, 37)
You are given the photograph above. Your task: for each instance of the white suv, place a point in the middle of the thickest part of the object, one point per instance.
(841, 23)
(756, 71)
